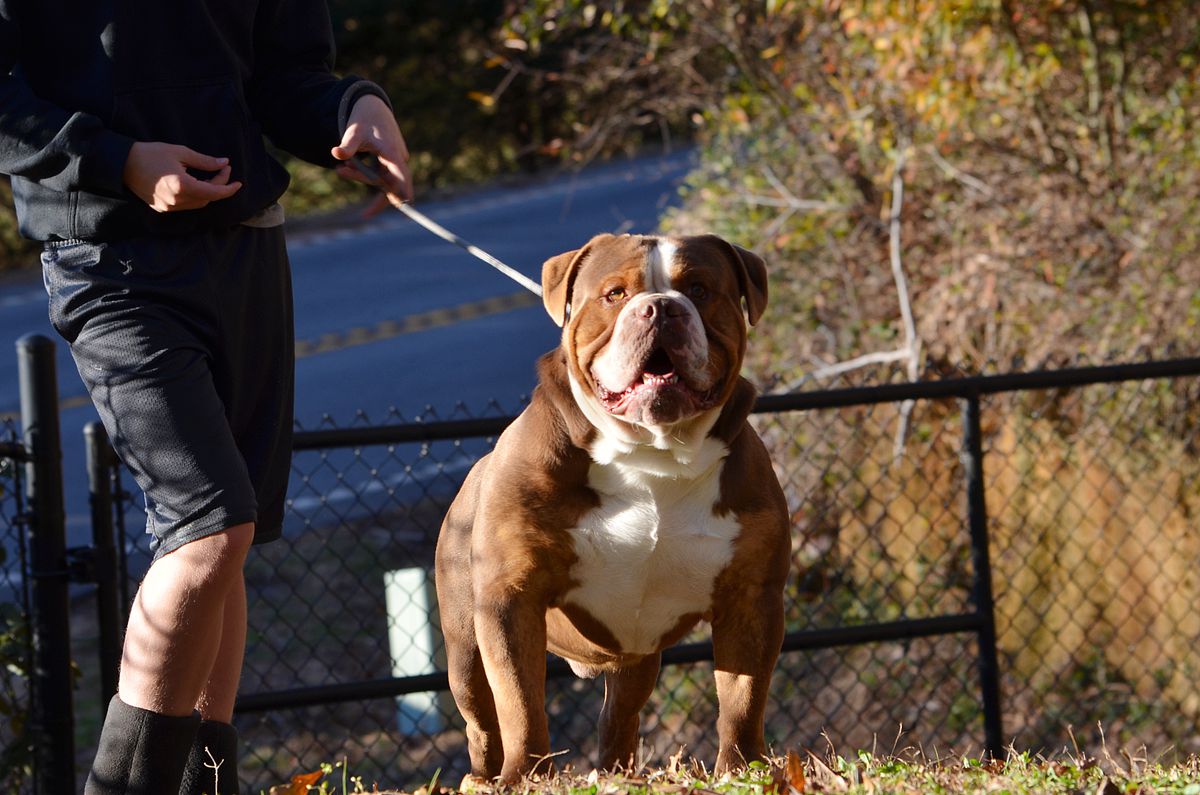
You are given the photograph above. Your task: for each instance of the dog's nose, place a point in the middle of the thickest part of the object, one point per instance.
(662, 310)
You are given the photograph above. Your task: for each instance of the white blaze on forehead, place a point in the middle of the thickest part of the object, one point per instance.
(660, 266)
(615, 368)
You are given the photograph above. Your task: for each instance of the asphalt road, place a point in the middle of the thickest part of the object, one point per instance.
(393, 320)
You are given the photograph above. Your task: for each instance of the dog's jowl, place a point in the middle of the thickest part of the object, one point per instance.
(630, 501)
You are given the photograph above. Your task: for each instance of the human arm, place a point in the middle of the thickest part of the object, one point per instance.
(44, 143)
(304, 109)
(293, 94)
(67, 151)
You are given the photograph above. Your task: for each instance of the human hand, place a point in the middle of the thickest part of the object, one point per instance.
(157, 174)
(372, 129)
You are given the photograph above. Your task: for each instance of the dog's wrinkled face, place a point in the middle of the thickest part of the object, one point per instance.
(653, 327)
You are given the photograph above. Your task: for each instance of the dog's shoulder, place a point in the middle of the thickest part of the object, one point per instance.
(554, 413)
(541, 459)
(731, 423)
(749, 486)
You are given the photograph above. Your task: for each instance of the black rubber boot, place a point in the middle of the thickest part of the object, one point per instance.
(141, 752)
(216, 744)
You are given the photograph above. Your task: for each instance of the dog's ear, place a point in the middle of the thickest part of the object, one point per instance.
(753, 278)
(558, 278)
(751, 273)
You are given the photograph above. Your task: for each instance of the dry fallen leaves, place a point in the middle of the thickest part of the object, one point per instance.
(299, 784)
(792, 774)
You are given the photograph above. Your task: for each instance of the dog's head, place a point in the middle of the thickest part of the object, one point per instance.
(654, 328)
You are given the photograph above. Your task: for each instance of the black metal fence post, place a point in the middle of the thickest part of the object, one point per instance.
(53, 712)
(104, 552)
(989, 666)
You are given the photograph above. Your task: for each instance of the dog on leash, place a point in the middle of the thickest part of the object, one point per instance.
(630, 501)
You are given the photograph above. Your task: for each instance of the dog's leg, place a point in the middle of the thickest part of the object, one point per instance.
(747, 635)
(469, 684)
(512, 640)
(626, 691)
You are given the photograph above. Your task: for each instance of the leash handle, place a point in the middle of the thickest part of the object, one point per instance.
(367, 167)
(369, 171)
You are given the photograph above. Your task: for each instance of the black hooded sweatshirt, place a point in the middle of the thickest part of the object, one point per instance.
(84, 79)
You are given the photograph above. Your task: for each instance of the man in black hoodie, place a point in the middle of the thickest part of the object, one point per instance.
(134, 134)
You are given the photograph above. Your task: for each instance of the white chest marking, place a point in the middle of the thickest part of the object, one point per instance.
(650, 554)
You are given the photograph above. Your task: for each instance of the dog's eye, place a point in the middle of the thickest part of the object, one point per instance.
(615, 294)
(698, 292)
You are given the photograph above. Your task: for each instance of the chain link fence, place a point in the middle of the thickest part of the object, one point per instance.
(1094, 495)
(16, 651)
(1091, 491)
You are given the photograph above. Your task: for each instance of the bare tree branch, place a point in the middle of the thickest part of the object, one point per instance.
(792, 203)
(912, 344)
(858, 362)
(955, 173)
(910, 351)
(789, 199)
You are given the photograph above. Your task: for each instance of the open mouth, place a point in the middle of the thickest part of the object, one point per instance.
(657, 372)
(658, 378)
(659, 369)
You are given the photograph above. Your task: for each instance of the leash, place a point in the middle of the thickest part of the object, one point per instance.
(433, 226)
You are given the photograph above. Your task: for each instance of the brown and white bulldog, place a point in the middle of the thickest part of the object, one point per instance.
(630, 501)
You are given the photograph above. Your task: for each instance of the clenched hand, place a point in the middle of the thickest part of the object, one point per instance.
(372, 129)
(157, 174)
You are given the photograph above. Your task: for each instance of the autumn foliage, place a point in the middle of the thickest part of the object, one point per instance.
(1047, 152)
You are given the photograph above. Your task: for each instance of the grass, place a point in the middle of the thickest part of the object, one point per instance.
(910, 773)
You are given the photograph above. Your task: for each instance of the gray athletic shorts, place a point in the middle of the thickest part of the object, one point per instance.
(186, 346)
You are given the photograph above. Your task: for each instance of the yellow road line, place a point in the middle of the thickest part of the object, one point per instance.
(383, 330)
(423, 321)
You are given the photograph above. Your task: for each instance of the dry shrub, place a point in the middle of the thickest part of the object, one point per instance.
(1092, 504)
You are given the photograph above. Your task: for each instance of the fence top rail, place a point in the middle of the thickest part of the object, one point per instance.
(978, 385)
(966, 387)
(405, 433)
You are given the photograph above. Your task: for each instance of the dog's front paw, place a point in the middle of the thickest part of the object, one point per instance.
(472, 783)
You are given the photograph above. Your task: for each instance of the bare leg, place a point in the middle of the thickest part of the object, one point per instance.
(176, 629)
(183, 647)
(220, 691)
(217, 739)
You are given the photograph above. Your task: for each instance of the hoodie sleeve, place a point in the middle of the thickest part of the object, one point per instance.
(46, 144)
(302, 107)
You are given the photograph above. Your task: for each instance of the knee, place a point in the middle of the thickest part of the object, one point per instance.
(227, 549)
(217, 557)
(237, 541)
(238, 538)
